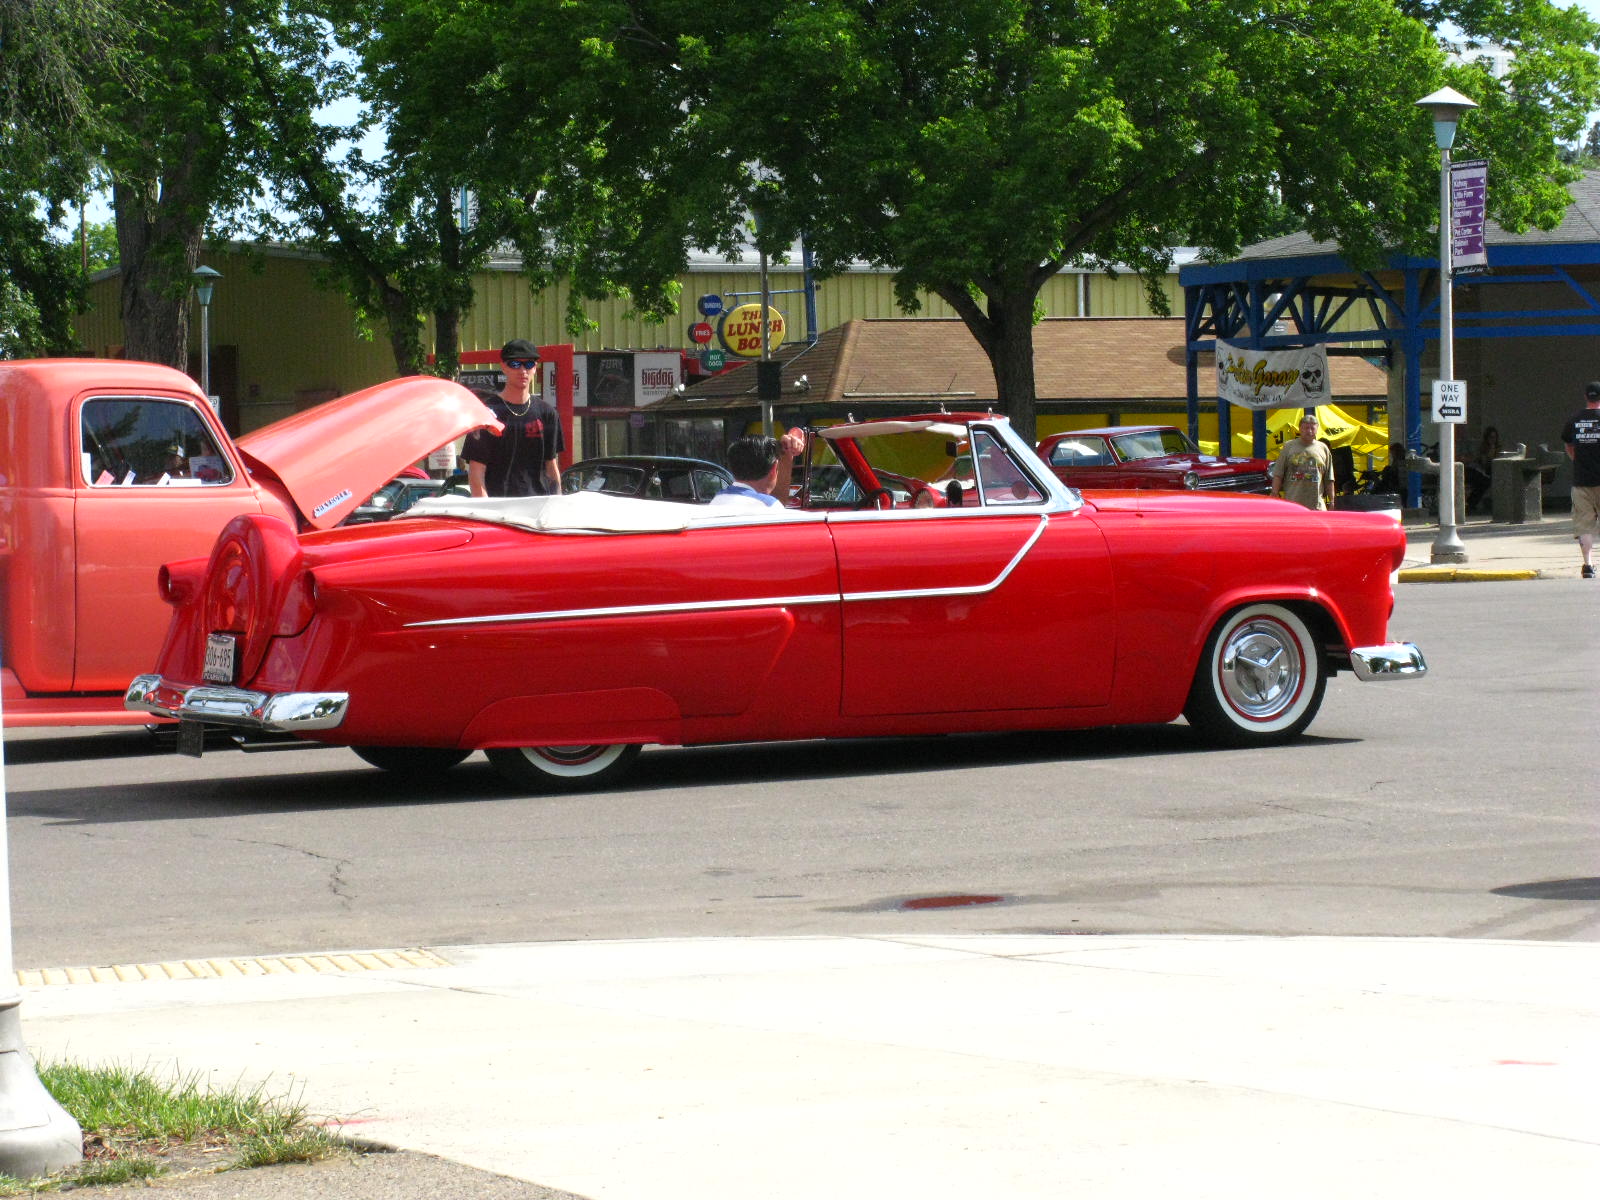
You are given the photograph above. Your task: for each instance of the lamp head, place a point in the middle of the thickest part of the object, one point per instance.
(1447, 106)
(204, 280)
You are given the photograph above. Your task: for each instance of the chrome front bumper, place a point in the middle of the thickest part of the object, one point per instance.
(236, 708)
(1392, 660)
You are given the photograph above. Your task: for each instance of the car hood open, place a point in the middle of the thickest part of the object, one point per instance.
(332, 457)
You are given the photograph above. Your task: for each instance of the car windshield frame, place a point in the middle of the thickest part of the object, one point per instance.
(1166, 443)
(1013, 476)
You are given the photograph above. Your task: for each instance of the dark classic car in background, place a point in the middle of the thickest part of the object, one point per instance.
(649, 477)
(1147, 456)
(577, 628)
(400, 493)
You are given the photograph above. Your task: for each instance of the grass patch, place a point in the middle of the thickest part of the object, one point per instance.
(137, 1125)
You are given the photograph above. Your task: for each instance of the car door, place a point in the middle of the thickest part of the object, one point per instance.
(1008, 606)
(135, 509)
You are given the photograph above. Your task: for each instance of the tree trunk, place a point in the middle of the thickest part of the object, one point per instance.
(405, 331)
(159, 250)
(1012, 357)
(1004, 330)
(446, 314)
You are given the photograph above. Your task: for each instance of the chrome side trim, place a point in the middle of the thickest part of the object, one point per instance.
(289, 712)
(1392, 660)
(650, 610)
(633, 610)
(975, 590)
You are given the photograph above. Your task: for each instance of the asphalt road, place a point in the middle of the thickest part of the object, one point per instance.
(1461, 806)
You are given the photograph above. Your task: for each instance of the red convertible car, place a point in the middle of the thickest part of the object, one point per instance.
(576, 629)
(1148, 456)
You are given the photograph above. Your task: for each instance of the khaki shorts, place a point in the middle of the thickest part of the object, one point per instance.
(1585, 511)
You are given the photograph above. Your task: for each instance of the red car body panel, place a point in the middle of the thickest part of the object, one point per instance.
(79, 556)
(467, 632)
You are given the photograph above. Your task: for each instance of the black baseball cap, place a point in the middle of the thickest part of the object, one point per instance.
(1593, 388)
(518, 348)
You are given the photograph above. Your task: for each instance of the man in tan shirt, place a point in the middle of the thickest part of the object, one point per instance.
(1303, 471)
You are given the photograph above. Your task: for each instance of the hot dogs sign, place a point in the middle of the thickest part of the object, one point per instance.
(1295, 378)
(740, 330)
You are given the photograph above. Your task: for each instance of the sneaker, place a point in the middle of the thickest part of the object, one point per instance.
(1587, 572)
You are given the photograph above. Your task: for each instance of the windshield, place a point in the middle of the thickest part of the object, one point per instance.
(937, 466)
(1152, 443)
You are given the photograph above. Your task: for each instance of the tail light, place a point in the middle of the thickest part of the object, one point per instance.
(298, 604)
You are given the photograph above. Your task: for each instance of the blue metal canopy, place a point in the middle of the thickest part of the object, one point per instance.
(1295, 291)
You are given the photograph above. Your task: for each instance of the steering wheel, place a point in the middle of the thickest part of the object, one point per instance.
(870, 500)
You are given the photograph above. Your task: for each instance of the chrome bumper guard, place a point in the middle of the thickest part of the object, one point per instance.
(236, 708)
(1392, 660)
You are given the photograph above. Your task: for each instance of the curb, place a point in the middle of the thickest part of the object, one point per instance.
(1463, 575)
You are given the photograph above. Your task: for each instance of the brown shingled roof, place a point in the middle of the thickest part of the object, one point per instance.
(1098, 359)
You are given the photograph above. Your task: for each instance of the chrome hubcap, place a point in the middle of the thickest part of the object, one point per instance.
(1261, 669)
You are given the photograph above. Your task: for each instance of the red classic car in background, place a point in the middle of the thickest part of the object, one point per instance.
(1147, 456)
(109, 468)
(575, 629)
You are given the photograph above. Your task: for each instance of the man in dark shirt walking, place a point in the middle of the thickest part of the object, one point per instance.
(521, 459)
(1582, 436)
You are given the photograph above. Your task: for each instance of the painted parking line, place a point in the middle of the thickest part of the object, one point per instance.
(236, 968)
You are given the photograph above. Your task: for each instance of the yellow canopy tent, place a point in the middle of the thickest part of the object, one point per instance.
(1283, 425)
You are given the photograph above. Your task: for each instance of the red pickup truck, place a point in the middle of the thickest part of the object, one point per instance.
(110, 468)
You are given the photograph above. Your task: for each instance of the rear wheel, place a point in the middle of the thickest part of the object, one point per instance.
(1260, 680)
(410, 760)
(562, 768)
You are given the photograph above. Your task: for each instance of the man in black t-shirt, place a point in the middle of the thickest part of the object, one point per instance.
(521, 459)
(1582, 436)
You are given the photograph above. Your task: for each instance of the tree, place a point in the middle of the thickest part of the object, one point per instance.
(181, 160)
(392, 231)
(976, 147)
(46, 132)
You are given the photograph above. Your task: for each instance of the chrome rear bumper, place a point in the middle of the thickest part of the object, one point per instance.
(1392, 660)
(236, 708)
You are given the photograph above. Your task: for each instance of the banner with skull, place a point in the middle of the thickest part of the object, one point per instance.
(1294, 378)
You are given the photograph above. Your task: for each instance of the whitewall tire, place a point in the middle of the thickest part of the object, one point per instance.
(1260, 678)
(562, 768)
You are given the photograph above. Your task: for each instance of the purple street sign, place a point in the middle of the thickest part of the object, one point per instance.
(1469, 190)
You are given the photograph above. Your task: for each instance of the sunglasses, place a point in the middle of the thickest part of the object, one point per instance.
(522, 364)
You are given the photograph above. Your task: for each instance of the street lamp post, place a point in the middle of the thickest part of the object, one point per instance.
(37, 1135)
(1447, 106)
(768, 373)
(204, 280)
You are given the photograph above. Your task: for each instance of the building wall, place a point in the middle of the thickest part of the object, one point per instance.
(296, 342)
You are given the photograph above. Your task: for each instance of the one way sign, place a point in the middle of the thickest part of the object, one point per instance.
(1449, 402)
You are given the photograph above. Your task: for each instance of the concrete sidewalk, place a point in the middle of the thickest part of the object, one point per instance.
(937, 1067)
(1542, 549)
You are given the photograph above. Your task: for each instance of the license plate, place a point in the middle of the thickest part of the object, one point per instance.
(219, 658)
(191, 738)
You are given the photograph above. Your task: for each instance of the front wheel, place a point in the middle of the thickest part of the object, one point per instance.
(410, 760)
(1260, 680)
(562, 768)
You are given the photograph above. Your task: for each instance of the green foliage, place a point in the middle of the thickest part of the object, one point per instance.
(138, 1125)
(299, 1145)
(976, 147)
(139, 1104)
(48, 127)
